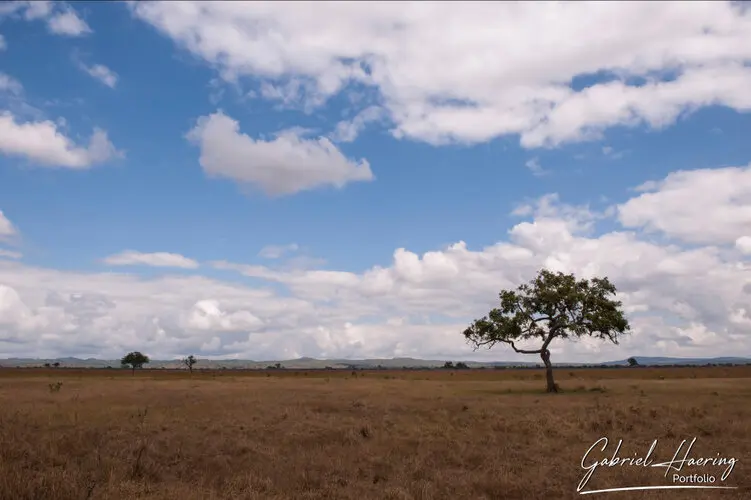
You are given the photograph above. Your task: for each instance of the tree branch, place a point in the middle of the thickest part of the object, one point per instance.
(524, 313)
(532, 321)
(478, 344)
(520, 351)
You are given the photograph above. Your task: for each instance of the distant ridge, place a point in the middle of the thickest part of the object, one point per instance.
(393, 363)
(657, 361)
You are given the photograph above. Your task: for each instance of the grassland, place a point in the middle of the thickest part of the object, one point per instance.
(474, 434)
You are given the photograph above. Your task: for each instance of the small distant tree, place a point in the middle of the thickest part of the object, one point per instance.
(189, 362)
(551, 306)
(47, 365)
(449, 365)
(461, 365)
(632, 362)
(134, 360)
(278, 366)
(56, 364)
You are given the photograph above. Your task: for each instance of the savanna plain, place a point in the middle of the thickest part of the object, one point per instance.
(440, 434)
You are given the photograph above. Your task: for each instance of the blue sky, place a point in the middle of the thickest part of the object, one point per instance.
(456, 133)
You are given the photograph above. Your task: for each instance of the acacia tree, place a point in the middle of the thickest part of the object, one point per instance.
(134, 360)
(189, 362)
(632, 362)
(551, 306)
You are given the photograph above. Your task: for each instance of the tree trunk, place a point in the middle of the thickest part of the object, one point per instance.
(133, 371)
(545, 355)
(190, 369)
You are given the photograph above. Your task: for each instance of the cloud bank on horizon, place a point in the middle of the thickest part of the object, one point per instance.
(354, 180)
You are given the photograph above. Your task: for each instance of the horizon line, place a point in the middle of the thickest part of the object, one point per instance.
(178, 358)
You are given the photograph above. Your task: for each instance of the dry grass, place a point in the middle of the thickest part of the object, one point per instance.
(480, 434)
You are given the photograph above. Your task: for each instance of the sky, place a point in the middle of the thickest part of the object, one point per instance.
(276, 180)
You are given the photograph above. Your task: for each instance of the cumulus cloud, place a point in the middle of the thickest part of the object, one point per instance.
(42, 143)
(348, 130)
(68, 23)
(156, 259)
(579, 218)
(277, 251)
(101, 73)
(207, 315)
(610, 153)
(9, 254)
(60, 17)
(681, 300)
(709, 206)
(744, 244)
(10, 84)
(6, 228)
(44, 312)
(534, 166)
(470, 72)
(657, 104)
(284, 165)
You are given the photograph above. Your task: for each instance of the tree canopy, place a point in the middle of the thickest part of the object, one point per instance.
(551, 306)
(134, 360)
(189, 362)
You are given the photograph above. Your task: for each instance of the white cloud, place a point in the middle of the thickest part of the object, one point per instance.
(207, 315)
(534, 166)
(6, 228)
(469, 72)
(587, 113)
(710, 206)
(156, 259)
(10, 84)
(3, 43)
(60, 17)
(682, 301)
(277, 251)
(68, 23)
(686, 302)
(578, 219)
(285, 165)
(44, 312)
(42, 143)
(294, 93)
(303, 262)
(35, 10)
(30, 10)
(217, 90)
(102, 73)
(611, 153)
(348, 130)
(9, 254)
(744, 244)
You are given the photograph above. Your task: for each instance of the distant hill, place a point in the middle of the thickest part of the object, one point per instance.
(393, 363)
(657, 361)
